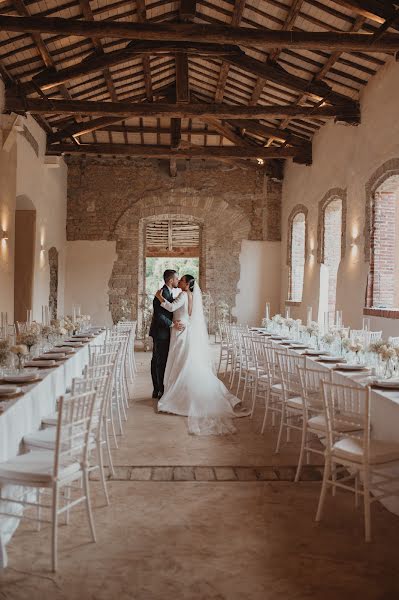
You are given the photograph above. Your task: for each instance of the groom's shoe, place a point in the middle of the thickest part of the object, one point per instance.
(160, 394)
(155, 394)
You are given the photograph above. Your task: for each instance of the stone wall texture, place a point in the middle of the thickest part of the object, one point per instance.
(113, 199)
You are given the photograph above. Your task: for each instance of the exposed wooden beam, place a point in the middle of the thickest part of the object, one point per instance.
(88, 14)
(266, 131)
(273, 56)
(226, 131)
(221, 111)
(225, 67)
(165, 152)
(92, 64)
(288, 24)
(182, 83)
(278, 75)
(175, 133)
(187, 10)
(375, 10)
(186, 32)
(142, 18)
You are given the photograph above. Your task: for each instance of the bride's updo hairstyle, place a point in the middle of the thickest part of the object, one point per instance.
(190, 280)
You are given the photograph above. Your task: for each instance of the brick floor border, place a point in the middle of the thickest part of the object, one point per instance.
(218, 473)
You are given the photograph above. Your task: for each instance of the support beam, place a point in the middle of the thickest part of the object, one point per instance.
(98, 47)
(175, 133)
(188, 10)
(92, 64)
(224, 69)
(226, 131)
(266, 131)
(193, 32)
(165, 152)
(375, 10)
(142, 18)
(221, 111)
(182, 83)
(278, 75)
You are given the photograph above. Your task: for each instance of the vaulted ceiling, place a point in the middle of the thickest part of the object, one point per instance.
(217, 79)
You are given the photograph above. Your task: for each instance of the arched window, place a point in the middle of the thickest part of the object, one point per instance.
(331, 241)
(383, 288)
(296, 255)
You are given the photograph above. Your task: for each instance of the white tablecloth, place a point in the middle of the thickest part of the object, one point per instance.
(384, 415)
(25, 415)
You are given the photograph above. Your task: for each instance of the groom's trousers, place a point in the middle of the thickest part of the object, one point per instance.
(158, 363)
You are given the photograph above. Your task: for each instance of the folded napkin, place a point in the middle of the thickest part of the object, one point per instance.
(41, 363)
(52, 355)
(65, 349)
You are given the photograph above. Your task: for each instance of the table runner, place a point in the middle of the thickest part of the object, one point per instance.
(25, 415)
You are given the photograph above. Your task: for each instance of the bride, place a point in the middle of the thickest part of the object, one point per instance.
(191, 387)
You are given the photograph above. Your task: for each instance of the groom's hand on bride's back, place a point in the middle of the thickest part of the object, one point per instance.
(179, 325)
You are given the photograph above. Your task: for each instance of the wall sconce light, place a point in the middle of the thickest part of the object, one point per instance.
(354, 242)
(311, 253)
(3, 235)
(260, 161)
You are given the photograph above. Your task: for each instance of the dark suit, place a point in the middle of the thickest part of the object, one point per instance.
(161, 323)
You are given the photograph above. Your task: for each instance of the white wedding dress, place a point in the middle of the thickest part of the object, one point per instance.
(191, 387)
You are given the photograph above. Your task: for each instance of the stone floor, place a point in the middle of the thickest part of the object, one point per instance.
(176, 530)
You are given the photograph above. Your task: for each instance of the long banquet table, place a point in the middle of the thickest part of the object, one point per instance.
(384, 413)
(25, 414)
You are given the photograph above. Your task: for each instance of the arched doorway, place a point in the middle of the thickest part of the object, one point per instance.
(24, 256)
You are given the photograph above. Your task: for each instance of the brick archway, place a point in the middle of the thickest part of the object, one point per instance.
(223, 229)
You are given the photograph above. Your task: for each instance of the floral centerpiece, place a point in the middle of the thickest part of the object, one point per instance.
(30, 337)
(387, 354)
(313, 330)
(20, 351)
(4, 352)
(356, 346)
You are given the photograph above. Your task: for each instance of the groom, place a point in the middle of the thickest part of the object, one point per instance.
(162, 322)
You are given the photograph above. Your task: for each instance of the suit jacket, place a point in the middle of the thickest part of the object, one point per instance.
(162, 319)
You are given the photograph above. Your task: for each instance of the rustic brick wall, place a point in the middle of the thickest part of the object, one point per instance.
(113, 199)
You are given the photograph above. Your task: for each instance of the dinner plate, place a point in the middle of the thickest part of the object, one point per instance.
(65, 349)
(388, 384)
(41, 364)
(53, 356)
(24, 377)
(9, 390)
(351, 367)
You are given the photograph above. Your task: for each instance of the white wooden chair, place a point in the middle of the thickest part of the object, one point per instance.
(356, 453)
(55, 470)
(98, 379)
(313, 417)
(274, 398)
(292, 402)
(394, 341)
(261, 377)
(365, 336)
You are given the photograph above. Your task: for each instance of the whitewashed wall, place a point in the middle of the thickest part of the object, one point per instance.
(345, 157)
(88, 270)
(260, 280)
(27, 181)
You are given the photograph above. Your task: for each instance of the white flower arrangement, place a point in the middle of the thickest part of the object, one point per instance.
(387, 352)
(278, 319)
(290, 322)
(328, 338)
(376, 346)
(356, 346)
(312, 328)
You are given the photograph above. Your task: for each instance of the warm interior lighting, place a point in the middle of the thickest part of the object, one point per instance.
(4, 235)
(260, 161)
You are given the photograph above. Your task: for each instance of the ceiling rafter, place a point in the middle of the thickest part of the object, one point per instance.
(224, 69)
